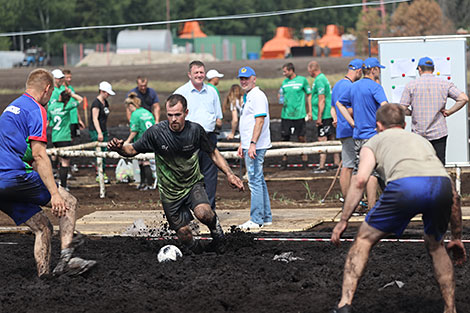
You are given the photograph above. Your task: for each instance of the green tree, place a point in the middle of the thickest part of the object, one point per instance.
(420, 18)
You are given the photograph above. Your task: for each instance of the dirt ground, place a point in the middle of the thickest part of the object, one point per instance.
(128, 278)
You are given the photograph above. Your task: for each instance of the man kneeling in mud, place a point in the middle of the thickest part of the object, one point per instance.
(417, 183)
(176, 143)
(23, 190)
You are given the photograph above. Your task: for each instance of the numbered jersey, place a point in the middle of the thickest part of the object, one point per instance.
(59, 119)
(141, 120)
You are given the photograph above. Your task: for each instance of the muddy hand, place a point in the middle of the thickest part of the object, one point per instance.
(235, 182)
(115, 144)
(457, 251)
(337, 232)
(59, 207)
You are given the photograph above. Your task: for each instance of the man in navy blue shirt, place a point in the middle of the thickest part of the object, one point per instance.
(344, 131)
(148, 97)
(364, 97)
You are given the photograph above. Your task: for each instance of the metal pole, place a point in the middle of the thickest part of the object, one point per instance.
(368, 38)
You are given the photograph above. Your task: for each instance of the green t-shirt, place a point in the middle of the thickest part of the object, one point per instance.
(58, 116)
(141, 120)
(294, 91)
(321, 86)
(208, 84)
(74, 112)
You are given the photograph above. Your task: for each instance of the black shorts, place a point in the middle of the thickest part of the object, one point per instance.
(178, 213)
(292, 127)
(75, 130)
(326, 129)
(61, 144)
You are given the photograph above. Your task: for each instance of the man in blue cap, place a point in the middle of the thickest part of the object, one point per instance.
(344, 131)
(364, 98)
(426, 99)
(255, 139)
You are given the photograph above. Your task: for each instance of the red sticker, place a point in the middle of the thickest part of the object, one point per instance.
(403, 75)
(448, 78)
(448, 58)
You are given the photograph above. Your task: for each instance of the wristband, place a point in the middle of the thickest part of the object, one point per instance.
(253, 142)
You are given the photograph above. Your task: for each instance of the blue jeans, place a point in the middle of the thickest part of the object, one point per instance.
(260, 211)
(210, 171)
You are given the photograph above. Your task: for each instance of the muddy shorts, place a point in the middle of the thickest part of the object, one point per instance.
(292, 127)
(407, 197)
(178, 213)
(22, 196)
(347, 152)
(326, 129)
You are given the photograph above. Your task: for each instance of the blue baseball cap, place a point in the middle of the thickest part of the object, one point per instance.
(426, 61)
(355, 64)
(246, 71)
(372, 62)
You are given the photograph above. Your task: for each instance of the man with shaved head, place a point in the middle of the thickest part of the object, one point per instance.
(23, 190)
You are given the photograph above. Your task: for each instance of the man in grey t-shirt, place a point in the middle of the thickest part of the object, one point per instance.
(417, 183)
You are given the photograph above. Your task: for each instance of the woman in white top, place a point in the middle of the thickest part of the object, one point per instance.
(234, 102)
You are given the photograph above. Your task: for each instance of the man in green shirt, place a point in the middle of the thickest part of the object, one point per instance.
(141, 120)
(58, 115)
(213, 78)
(294, 110)
(321, 111)
(76, 122)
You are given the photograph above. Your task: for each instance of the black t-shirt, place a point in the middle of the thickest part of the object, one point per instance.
(176, 156)
(102, 116)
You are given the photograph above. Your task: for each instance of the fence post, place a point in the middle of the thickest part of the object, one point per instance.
(99, 165)
(65, 54)
(81, 51)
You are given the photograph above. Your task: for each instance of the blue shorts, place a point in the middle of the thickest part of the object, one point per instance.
(22, 196)
(404, 198)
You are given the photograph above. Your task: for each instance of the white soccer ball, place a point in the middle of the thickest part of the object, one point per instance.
(169, 253)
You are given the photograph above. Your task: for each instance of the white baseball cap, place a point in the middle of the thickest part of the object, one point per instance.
(105, 86)
(213, 73)
(58, 74)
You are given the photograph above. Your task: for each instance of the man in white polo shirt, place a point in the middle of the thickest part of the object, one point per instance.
(204, 109)
(255, 139)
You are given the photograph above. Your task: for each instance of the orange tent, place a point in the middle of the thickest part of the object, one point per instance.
(191, 30)
(332, 40)
(276, 48)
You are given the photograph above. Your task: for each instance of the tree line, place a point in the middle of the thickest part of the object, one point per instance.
(27, 15)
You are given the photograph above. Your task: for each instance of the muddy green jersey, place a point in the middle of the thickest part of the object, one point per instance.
(176, 157)
(58, 116)
(141, 120)
(321, 86)
(294, 91)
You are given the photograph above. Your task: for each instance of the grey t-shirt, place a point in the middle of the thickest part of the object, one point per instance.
(400, 154)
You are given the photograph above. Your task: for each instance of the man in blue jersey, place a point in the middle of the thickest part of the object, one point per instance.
(364, 97)
(344, 131)
(23, 190)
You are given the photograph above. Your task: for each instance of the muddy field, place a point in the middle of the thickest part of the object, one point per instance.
(128, 278)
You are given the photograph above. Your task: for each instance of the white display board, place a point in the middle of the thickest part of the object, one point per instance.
(400, 56)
